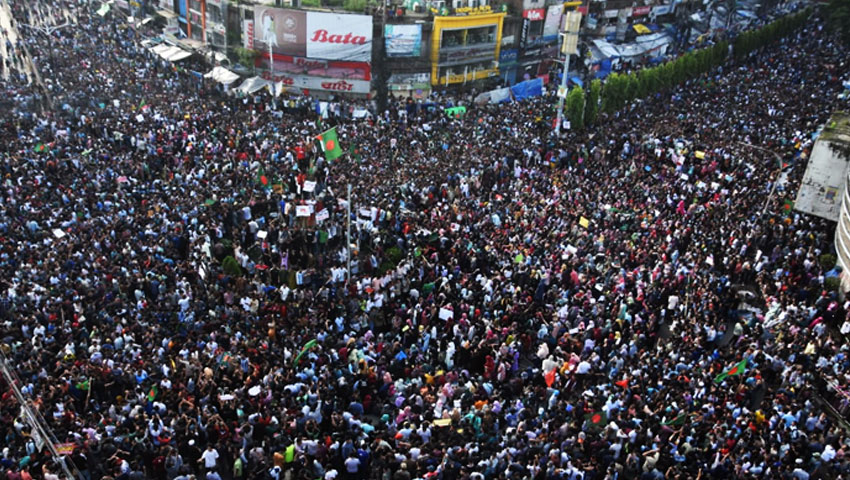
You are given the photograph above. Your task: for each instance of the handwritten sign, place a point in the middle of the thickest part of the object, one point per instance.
(303, 210)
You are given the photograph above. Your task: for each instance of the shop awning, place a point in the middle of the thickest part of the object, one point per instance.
(222, 75)
(252, 85)
(166, 14)
(172, 54)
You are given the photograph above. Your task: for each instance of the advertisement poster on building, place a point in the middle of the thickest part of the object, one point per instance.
(286, 30)
(328, 36)
(553, 21)
(248, 37)
(534, 14)
(403, 40)
(339, 37)
(309, 82)
(641, 11)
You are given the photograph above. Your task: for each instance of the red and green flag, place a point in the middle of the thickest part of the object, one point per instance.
(737, 369)
(596, 419)
(40, 148)
(263, 180)
(153, 393)
(787, 207)
(330, 144)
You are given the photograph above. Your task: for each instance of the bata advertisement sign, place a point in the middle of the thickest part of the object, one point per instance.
(640, 11)
(535, 14)
(309, 82)
(329, 36)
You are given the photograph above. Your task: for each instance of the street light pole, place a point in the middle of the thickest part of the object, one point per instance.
(572, 25)
(348, 234)
(561, 98)
(775, 181)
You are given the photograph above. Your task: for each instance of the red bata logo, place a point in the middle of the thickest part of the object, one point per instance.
(322, 36)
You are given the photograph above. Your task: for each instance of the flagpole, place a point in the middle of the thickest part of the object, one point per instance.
(348, 234)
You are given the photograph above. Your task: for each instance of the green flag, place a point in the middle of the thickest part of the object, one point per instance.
(262, 179)
(596, 419)
(153, 392)
(678, 420)
(330, 144)
(307, 346)
(787, 206)
(40, 147)
(736, 370)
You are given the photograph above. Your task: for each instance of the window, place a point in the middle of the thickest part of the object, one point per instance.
(453, 38)
(535, 29)
(217, 39)
(476, 36)
(214, 14)
(195, 5)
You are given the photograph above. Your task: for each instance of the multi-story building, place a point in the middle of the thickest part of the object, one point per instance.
(419, 45)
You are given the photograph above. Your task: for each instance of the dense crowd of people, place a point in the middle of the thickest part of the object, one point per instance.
(625, 301)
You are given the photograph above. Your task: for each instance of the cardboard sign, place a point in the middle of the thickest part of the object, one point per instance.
(309, 186)
(323, 215)
(303, 210)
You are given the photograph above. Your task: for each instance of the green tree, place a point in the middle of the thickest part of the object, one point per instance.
(245, 56)
(591, 108)
(575, 108)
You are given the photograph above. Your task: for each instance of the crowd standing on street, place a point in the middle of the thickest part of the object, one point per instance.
(520, 306)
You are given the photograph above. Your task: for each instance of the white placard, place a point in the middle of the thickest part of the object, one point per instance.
(446, 314)
(322, 215)
(309, 186)
(303, 210)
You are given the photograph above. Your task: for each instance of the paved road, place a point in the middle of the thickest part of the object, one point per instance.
(7, 24)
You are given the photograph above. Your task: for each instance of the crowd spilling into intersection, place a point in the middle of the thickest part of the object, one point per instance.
(625, 301)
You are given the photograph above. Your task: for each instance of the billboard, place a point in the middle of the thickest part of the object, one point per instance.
(553, 21)
(329, 36)
(248, 34)
(534, 14)
(403, 40)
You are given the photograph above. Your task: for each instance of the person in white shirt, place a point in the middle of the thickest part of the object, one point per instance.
(209, 457)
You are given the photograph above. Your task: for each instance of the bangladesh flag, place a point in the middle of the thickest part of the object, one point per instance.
(736, 370)
(596, 419)
(330, 144)
(787, 206)
(40, 148)
(262, 179)
(678, 420)
(153, 393)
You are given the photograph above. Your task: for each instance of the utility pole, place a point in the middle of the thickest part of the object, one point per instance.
(778, 174)
(35, 422)
(568, 48)
(348, 234)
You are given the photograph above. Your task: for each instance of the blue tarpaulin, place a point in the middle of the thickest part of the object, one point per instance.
(528, 88)
(577, 81)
